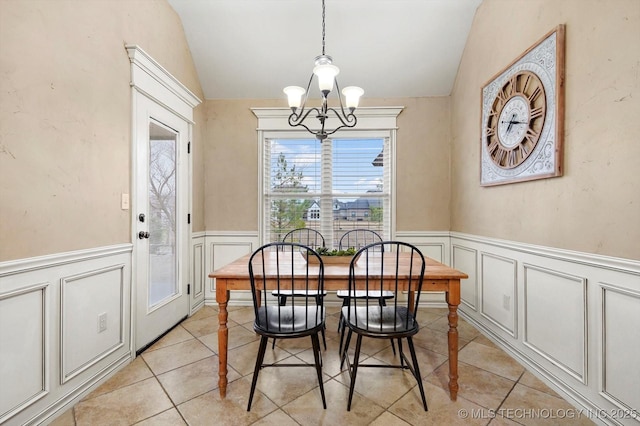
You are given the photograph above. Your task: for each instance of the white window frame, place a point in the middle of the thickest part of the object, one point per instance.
(373, 123)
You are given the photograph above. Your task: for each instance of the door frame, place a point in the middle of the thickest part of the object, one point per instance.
(151, 80)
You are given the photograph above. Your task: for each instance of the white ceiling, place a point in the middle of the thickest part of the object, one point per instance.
(252, 49)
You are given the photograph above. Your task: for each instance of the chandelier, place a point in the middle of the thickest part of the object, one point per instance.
(326, 73)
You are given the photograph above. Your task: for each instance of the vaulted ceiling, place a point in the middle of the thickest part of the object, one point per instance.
(252, 49)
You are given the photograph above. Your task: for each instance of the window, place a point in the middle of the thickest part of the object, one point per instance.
(333, 186)
(343, 183)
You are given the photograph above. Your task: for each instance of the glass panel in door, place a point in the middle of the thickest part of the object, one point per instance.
(162, 214)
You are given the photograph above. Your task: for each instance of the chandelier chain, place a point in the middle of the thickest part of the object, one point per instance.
(323, 32)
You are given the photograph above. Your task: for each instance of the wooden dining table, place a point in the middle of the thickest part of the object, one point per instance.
(437, 278)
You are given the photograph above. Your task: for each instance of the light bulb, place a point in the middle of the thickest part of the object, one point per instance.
(294, 96)
(326, 76)
(352, 96)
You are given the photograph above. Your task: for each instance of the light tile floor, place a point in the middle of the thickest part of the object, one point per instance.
(175, 382)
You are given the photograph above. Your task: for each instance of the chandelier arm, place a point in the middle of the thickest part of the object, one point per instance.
(304, 103)
(313, 132)
(297, 119)
(348, 116)
(349, 120)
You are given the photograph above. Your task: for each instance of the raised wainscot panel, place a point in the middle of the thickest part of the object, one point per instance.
(198, 270)
(434, 245)
(92, 318)
(555, 318)
(620, 369)
(465, 260)
(433, 250)
(24, 369)
(225, 253)
(436, 252)
(498, 303)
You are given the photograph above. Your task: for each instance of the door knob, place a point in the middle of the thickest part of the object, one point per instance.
(143, 234)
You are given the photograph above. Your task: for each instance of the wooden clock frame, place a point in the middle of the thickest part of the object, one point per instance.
(541, 156)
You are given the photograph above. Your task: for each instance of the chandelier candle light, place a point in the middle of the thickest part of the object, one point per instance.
(326, 73)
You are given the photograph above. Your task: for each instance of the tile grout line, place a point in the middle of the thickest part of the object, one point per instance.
(515, 383)
(175, 407)
(290, 354)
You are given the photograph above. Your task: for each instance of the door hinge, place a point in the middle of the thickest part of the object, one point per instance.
(189, 218)
(189, 147)
(188, 288)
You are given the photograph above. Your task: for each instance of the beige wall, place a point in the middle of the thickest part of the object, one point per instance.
(65, 118)
(65, 130)
(595, 206)
(231, 158)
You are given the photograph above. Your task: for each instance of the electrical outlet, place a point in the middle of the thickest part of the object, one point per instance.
(102, 322)
(506, 302)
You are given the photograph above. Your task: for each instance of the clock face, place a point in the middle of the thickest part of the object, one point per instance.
(515, 120)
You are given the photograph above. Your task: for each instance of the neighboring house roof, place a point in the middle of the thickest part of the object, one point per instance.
(379, 160)
(359, 204)
(363, 204)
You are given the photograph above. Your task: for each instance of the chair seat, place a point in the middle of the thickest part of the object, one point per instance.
(283, 295)
(289, 321)
(381, 321)
(362, 294)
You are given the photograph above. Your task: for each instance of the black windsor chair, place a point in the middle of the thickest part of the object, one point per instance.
(402, 266)
(281, 266)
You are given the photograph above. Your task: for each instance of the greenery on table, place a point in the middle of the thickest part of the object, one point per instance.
(323, 251)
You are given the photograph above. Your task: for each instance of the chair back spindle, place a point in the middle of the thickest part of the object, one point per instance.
(358, 238)
(305, 236)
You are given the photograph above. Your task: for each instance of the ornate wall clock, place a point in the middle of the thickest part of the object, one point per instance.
(523, 116)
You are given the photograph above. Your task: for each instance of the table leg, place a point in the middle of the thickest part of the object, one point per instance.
(453, 351)
(222, 297)
(453, 300)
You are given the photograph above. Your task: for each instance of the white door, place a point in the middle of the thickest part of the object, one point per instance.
(161, 228)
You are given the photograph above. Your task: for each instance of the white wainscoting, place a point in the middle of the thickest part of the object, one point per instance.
(222, 248)
(52, 349)
(436, 246)
(573, 318)
(198, 272)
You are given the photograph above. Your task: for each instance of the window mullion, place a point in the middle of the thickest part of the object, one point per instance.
(326, 192)
(386, 188)
(266, 188)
